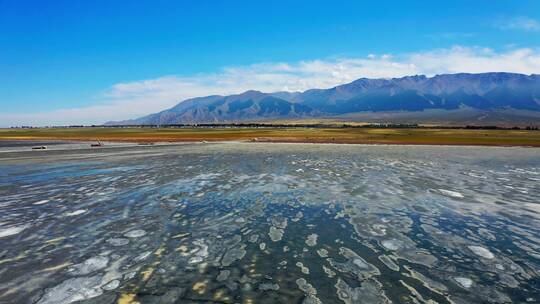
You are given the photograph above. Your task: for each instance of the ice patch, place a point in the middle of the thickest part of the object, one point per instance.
(76, 212)
(303, 268)
(233, 254)
(201, 252)
(481, 251)
(389, 262)
(391, 244)
(312, 240)
(451, 193)
(111, 285)
(12, 230)
(118, 241)
(464, 282)
(329, 272)
(90, 265)
(279, 222)
(223, 275)
(309, 291)
(73, 290)
(130, 275)
(253, 238)
(299, 215)
(368, 292)
(354, 264)
(195, 260)
(268, 286)
(323, 253)
(142, 256)
(275, 234)
(135, 233)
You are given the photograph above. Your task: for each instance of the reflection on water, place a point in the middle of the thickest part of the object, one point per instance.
(272, 223)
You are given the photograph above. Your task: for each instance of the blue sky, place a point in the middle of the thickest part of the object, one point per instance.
(67, 62)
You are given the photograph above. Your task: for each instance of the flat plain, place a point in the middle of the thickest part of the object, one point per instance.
(359, 135)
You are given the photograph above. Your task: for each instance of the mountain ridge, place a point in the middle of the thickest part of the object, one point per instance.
(416, 93)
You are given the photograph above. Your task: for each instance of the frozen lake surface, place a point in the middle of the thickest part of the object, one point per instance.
(271, 223)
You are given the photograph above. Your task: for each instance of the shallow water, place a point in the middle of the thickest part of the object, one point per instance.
(271, 223)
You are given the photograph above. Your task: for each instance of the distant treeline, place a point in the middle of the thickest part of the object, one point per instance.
(283, 126)
(500, 128)
(268, 125)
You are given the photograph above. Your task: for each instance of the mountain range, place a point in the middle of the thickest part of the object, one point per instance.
(485, 94)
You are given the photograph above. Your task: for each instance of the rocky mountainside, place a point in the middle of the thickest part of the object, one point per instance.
(485, 92)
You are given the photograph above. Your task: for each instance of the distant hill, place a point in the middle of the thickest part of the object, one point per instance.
(478, 93)
(246, 106)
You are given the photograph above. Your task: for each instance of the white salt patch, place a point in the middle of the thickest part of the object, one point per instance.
(76, 212)
(451, 193)
(464, 282)
(135, 233)
(12, 230)
(481, 251)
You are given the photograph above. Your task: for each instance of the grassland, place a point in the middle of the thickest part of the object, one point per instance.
(428, 136)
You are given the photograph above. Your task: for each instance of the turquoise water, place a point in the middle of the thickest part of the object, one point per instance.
(271, 223)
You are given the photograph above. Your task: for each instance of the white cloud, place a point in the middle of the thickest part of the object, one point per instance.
(518, 23)
(134, 99)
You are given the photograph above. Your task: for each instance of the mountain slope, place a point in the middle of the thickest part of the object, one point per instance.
(482, 92)
(413, 93)
(248, 105)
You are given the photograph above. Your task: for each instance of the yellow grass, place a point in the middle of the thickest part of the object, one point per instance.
(329, 135)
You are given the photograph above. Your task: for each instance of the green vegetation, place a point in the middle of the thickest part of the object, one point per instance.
(430, 136)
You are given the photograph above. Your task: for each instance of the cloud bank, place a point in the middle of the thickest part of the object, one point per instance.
(134, 99)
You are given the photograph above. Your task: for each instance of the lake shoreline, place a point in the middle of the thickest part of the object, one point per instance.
(149, 142)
